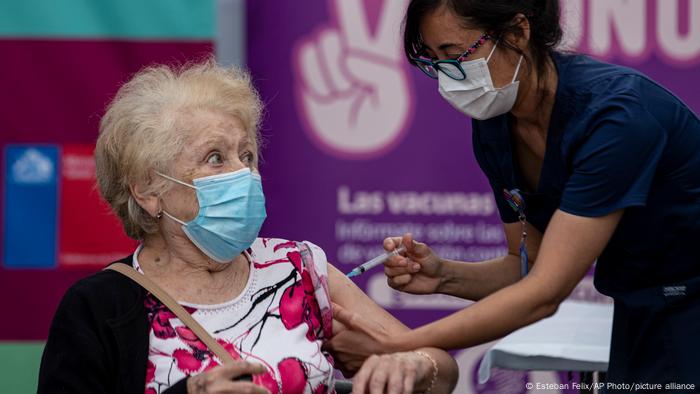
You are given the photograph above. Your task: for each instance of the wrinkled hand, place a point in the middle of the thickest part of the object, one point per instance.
(220, 380)
(417, 271)
(394, 373)
(354, 340)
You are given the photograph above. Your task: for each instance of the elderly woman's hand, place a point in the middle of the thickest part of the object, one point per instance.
(221, 380)
(395, 373)
(357, 346)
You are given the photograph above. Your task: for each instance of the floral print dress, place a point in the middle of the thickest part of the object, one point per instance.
(280, 320)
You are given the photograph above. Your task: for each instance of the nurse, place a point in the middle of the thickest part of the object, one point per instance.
(587, 160)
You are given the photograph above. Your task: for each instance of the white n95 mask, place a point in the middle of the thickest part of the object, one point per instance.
(475, 95)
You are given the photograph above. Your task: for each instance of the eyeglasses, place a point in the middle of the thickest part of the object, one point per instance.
(452, 68)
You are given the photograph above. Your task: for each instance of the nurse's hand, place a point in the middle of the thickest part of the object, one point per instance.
(418, 270)
(355, 338)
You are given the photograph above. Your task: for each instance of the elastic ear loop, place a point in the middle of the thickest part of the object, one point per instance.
(183, 184)
(176, 180)
(492, 51)
(517, 68)
(173, 217)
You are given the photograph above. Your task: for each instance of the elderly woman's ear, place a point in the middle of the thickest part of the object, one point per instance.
(147, 199)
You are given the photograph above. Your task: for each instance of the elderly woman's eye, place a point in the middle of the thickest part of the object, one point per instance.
(215, 159)
(247, 158)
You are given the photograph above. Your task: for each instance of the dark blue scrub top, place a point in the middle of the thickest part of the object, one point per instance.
(616, 140)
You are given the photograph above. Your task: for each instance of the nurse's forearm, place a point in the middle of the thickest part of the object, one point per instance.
(474, 281)
(493, 317)
(568, 250)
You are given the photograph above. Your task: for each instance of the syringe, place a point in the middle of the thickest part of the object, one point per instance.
(360, 269)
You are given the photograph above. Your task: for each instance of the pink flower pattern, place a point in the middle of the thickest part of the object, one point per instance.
(292, 300)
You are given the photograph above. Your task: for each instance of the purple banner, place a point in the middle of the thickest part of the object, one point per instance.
(359, 146)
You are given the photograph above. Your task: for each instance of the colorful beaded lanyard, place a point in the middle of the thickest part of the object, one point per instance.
(516, 201)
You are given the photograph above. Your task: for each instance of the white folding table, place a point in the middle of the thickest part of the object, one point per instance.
(575, 338)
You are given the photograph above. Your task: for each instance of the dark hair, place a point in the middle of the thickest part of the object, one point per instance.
(496, 17)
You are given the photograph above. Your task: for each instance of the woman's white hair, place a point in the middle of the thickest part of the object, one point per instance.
(138, 133)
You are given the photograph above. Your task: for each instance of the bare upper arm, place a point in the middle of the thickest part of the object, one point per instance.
(569, 247)
(346, 294)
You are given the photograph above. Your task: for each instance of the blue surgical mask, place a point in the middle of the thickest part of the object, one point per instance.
(231, 212)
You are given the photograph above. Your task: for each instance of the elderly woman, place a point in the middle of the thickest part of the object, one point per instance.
(177, 161)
